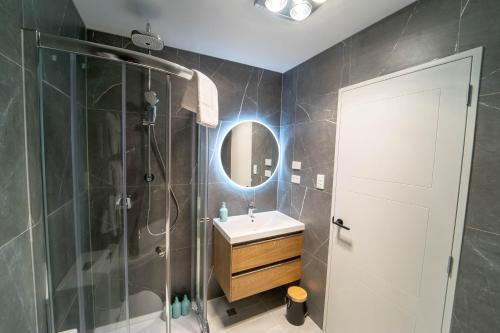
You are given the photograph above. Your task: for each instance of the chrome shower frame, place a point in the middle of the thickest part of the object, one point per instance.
(96, 50)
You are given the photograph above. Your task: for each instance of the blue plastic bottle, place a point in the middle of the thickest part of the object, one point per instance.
(185, 306)
(176, 308)
(223, 212)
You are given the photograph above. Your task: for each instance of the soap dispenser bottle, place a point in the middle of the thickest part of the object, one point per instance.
(185, 306)
(176, 308)
(223, 212)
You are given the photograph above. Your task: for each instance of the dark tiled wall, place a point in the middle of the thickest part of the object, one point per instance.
(424, 31)
(22, 245)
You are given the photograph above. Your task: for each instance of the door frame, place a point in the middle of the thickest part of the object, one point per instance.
(476, 56)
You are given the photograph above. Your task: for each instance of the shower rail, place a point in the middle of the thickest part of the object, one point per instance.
(72, 45)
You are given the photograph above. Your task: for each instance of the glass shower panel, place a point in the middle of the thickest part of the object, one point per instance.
(108, 204)
(147, 163)
(203, 225)
(83, 181)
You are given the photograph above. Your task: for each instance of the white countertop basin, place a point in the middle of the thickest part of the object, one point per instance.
(241, 228)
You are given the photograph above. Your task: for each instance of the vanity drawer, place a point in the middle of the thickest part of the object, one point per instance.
(257, 254)
(247, 284)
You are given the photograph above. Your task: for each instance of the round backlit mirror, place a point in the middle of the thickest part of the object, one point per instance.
(249, 154)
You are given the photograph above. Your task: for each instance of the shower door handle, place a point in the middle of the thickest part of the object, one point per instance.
(339, 223)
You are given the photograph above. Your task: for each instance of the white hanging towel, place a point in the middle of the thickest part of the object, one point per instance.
(201, 98)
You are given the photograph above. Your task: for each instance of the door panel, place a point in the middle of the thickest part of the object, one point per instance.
(398, 164)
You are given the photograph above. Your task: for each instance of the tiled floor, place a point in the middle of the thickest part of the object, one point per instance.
(263, 313)
(258, 314)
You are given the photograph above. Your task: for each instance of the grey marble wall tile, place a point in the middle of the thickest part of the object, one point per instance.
(49, 16)
(430, 32)
(154, 280)
(284, 197)
(10, 41)
(232, 81)
(182, 229)
(17, 304)
(236, 199)
(478, 25)
(40, 274)
(477, 302)
(56, 114)
(297, 199)
(137, 150)
(72, 24)
(321, 136)
(266, 197)
(484, 205)
(289, 97)
(61, 242)
(56, 69)
(104, 146)
(287, 140)
(13, 198)
(104, 84)
(139, 239)
(313, 273)
(182, 153)
(181, 271)
(64, 315)
(318, 81)
(315, 214)
(269, 97)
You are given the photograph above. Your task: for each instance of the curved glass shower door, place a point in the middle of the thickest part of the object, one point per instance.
(104, 223)
(83, 142)
(106, 146)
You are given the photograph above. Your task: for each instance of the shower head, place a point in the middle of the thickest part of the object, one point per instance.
(147, 39)
(150, 115)
(151, 98)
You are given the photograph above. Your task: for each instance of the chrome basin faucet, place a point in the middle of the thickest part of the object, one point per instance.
(251, 210)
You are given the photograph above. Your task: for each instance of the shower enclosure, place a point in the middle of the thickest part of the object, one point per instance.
(109, 203)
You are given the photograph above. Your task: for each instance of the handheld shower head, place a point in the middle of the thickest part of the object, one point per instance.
(152, 99)
(147, 39)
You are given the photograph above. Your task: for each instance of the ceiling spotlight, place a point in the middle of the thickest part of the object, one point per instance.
(300, 10)
(276, 5)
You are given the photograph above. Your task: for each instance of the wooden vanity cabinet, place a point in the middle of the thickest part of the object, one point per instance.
(249, 268)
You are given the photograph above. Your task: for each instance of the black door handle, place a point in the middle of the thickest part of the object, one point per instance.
(340, 223)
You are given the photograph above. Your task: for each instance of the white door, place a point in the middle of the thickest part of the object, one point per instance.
(399, 150)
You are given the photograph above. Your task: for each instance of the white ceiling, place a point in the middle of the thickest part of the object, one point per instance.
(235, 29)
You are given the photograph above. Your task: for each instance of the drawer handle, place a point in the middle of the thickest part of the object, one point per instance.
(339, 223)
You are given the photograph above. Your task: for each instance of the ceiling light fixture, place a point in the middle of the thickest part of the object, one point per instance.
(294, 10)
(276, 5)
(300, 10)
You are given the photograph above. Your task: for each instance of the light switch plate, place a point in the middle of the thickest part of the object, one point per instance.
(296, 165)
(320, 182)
(254, 169)
(268, 162)
(267, 173)
(296, 179)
